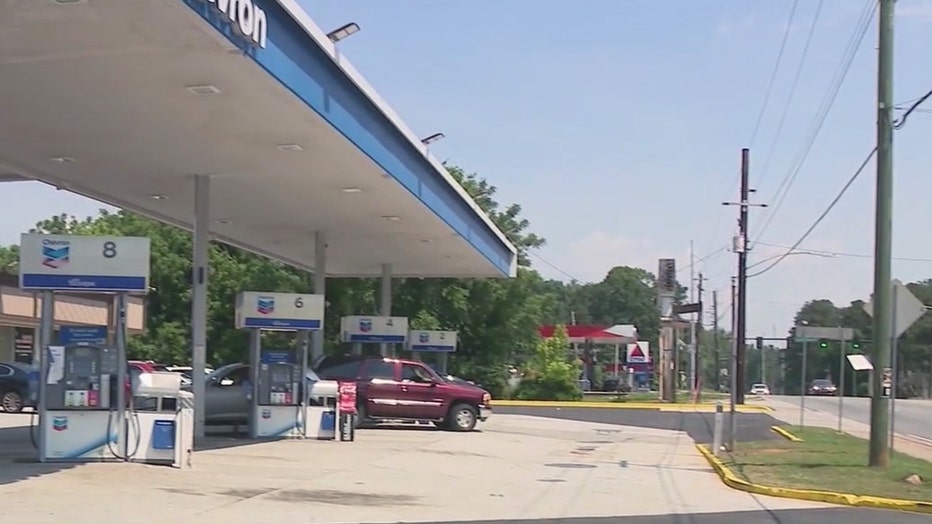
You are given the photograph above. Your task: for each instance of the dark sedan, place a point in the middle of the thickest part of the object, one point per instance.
(14, 387)
(822, 387)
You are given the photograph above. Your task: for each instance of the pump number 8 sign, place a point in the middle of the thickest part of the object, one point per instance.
(85, 263)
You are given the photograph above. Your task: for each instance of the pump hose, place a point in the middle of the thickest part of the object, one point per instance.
(135, 418)
(32, 427)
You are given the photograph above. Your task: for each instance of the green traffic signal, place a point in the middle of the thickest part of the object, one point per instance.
(823, 344)
(855, 345)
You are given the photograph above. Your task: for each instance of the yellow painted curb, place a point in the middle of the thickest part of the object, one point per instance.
(785, 434)
(845, 499)
(686, 408)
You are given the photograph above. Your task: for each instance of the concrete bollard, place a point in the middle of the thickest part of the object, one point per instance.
(717, 429)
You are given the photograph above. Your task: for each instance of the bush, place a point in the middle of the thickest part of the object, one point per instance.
(551, 375)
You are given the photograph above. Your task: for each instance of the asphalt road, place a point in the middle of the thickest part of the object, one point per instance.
(913, 417)
(699, 426)
(812, 516)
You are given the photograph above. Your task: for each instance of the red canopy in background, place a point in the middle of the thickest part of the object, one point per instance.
(580, 334)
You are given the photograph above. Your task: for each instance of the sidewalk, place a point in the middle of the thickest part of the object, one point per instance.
(789, 414)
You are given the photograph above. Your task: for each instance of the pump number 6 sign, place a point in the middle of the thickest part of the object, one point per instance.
(279, 311)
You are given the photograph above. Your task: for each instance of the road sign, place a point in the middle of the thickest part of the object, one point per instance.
(685, 309)
(432, 341)
(84, 263)
(374, 329)
(908, 308)
(82, 335)
(860, 362)
(887, 382)
(812, 333)
(638, 353)
(279, 311)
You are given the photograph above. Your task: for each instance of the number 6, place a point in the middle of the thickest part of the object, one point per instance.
(299, 302)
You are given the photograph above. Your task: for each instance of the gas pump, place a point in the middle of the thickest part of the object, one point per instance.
(164, 434)
(279, 404)
(278, 388)
(80, 394)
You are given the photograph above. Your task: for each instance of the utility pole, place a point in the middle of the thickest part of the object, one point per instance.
(716, 355)
(692, 323)
(883, 236)
(741, 248)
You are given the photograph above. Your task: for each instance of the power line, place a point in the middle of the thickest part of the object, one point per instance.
(900, 122)
(760, 116)
(825, 107)
(845, 254)
(554, 267)
(773, 74)
(793, 86)
(821, 217)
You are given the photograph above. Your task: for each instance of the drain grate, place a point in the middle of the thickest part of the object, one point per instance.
(569, 465)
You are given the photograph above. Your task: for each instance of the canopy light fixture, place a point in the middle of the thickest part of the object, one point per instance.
(432, 138)
(343, 31)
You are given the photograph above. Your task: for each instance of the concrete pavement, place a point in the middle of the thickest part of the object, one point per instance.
(516, 467)
(913, 416)
(698, 425)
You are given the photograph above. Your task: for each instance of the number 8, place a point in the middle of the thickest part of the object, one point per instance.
(110, 250)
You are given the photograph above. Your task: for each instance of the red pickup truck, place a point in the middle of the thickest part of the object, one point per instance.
(395, 389)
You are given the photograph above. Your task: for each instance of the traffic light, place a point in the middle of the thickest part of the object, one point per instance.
(759, 342)
(855, 345)
(823, 344)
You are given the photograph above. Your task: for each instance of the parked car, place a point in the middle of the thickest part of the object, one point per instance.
(760, 389)
(822, 387)
(404, 390)
(228, 393)
(14, 387)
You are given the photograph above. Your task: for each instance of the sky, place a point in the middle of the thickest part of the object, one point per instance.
(618, 127)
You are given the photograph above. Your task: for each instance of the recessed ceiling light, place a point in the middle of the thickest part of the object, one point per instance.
(351, 190)
(62, 159)
(206, 89)
(224, 221)
(391, 218)
(158, 197)
(290, 147)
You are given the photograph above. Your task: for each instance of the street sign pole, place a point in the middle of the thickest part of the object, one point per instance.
(841, 379)
(893, 358)
(802, 385)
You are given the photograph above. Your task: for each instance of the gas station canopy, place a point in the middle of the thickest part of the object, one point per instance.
(125, 101)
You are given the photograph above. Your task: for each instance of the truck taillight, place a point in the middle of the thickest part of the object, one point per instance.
(486, 399)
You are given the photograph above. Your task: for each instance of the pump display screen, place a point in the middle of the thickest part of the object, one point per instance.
(283, 376)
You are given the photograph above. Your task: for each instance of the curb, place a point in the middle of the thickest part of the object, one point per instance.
(845, 499)
(658, 406)
(785, 434)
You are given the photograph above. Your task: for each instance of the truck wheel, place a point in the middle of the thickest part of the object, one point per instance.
(462, 417)
(360, 415)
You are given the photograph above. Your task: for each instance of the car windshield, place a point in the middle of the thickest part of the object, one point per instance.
(821, 382)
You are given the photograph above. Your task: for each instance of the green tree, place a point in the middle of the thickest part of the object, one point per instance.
(551, 374)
